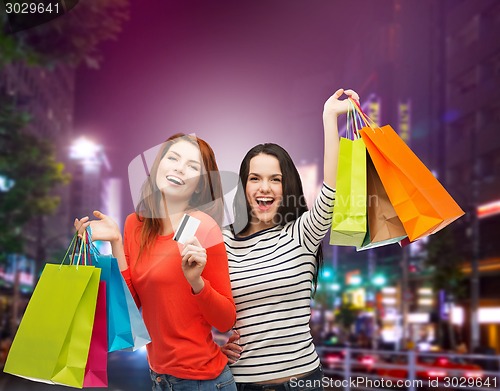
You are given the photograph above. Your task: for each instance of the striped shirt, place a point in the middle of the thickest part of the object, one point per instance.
(271, 275)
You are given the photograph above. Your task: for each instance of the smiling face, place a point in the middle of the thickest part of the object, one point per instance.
(179, 171)
(264, 191)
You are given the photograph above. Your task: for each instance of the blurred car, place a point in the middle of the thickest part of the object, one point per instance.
(449, 366)
(432, 368)
(332, 354)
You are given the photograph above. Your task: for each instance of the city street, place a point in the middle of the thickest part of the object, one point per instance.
(127, 371)
(366, 229)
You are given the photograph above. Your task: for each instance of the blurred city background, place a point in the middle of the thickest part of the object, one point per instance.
(83, 95)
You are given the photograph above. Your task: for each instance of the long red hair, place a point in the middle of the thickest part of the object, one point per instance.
(208, 198)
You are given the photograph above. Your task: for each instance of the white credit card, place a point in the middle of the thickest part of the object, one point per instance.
(187, 228)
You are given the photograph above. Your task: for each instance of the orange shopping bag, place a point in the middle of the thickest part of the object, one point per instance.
(421, 202)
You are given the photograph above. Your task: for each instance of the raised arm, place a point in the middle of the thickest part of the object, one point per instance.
(313, 225)
(332, 109)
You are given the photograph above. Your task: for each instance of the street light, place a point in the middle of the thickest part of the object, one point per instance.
(327, 274)
(85, 150)
(6, 183)
(86, 191)
(355, 280)
(379, 280)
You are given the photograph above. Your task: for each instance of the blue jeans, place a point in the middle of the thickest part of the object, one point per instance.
(224, 381)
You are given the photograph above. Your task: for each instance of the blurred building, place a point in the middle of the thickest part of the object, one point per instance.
(396, 88)
(446, 106)
(48, 95)
(431, 69)
(470, 147)
(93, 186)
(89, 167)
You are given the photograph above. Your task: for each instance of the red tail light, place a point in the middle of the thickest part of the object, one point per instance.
(332, 358)
(473, 374)
(367, 360)
(436, 374)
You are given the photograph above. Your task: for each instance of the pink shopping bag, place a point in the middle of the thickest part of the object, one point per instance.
(96, 371)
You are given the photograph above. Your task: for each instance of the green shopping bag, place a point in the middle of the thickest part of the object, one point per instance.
(53, 339)
(349, 212)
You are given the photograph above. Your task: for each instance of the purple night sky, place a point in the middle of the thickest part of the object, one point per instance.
(236, 73)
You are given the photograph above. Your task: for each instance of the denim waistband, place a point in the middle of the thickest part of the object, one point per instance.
(317, 374)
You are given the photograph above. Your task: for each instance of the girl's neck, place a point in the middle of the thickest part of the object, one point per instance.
(253, 228)
(170, 223)
(173, 215)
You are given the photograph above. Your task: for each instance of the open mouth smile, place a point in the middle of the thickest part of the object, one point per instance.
(175, 180)
(264, 202)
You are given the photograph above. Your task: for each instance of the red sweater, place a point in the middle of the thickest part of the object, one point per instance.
(180, 322)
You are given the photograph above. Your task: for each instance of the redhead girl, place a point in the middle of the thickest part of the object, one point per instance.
(183, 291)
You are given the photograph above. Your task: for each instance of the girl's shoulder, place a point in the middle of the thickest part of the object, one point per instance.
(206, 221)
(208, 233)
(132, 221)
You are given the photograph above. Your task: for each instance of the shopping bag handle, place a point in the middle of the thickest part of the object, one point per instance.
(72, 247)
(83, 248)
(91, 246)
(351, 129)
(366, 120)
(354, 122)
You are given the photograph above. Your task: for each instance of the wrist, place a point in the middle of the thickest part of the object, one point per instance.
(117, 240)
(331, 114)
(197, 285)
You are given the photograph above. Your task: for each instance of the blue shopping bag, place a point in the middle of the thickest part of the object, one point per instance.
(119, 328)
(139, 331)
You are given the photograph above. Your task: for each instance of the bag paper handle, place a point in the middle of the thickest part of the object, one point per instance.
(352, 129)
(91, 246)
(72, 247)
(85, 244)
(349, 125)
(362, 115)
(83, 249)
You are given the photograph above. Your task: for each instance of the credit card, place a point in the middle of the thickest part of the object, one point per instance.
(187, 228)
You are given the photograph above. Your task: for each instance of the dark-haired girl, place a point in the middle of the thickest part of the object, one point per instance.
(274, 262)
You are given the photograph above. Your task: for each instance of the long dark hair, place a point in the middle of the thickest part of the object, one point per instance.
(208, 199)
(293, 203)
